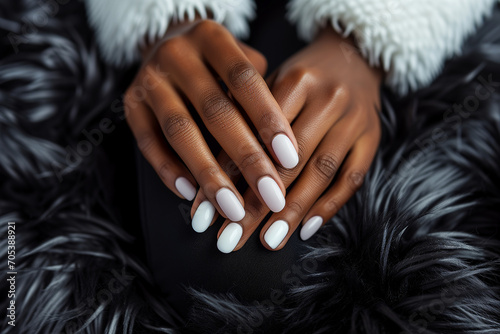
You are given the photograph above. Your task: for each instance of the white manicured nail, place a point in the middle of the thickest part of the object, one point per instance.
(185, 188)
(310, 227)
(203, 216)
(230, 204)
(229, 238)
(276, 233)
(271, 193)
(284, 150)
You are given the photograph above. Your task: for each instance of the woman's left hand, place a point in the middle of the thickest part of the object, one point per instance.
(331, 96)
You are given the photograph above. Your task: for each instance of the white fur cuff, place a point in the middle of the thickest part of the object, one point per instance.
(410, 39)
(123, 26)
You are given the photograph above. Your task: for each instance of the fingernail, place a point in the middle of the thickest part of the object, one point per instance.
(276, 233)
(271, 193)
(230, 204)
(185, 188)
(229, 238)
(284, 150)
(310, 227)
(203, 216)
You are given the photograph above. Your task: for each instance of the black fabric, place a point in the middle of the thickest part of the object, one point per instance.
(180, 257)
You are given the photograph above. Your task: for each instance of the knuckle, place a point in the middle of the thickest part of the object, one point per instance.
(209, 173)
(336, 95)
(240, 74)
(204, 27)
(327, 165)
(164, 170)
(287, 175)
(301, 74)
(251, 159)
(173, 47)
(270, 120)
(294, 208)
(298, 73)
(332, 205)
(355, 179)
(216, 107)
(336, 91)
(145, 142)
(174, 125)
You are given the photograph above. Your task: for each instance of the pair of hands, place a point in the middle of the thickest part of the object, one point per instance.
(313, 119)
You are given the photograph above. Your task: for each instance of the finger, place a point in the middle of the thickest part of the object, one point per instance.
(232, 132)
(251, 91)
(186, 139)
(350, 180)
(290, 93)
(150, 142)
(203, 213)
(312, 182)
(310, 128)
(255, 57)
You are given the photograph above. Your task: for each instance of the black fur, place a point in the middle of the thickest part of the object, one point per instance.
(417, 249)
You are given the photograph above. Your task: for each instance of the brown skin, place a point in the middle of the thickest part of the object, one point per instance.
(204, 51)
(332, 96)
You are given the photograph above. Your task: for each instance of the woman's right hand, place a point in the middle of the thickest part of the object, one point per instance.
(185, 68)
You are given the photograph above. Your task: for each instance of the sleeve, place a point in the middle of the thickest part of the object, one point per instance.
(123, 26)
(409, 39)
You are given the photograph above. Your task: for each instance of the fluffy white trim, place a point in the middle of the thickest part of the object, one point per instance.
(123, 26)
(410, 39)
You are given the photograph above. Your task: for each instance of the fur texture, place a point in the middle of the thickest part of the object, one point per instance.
(76, 271)
(125, 25)
(415, 251)
(409, 39)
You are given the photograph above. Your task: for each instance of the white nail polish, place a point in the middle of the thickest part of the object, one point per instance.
(310, 227)
(185, 188)
(276, 233)
(230, 204)
(284, 150)
(203, 216)
(271, 193)
(229, 238)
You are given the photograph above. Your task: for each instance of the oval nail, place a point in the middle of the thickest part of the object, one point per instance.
(276, 233)
(229, 238)
(203, 216)
(271, 193)
(230, 204)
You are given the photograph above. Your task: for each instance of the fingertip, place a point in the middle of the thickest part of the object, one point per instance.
(230, 204)
(285, 151)
(185, 188)
(310, 227)
(203, 217)
(271, 193)
(276, 234)
(229, 238)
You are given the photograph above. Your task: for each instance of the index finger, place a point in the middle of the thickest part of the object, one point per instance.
(249, 88)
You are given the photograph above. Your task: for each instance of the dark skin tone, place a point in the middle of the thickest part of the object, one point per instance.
(324, 98)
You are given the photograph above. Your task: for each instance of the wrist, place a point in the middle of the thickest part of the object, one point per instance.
(348, 49)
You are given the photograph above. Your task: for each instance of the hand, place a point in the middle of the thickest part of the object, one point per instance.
(332, 98)
(184, 69)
